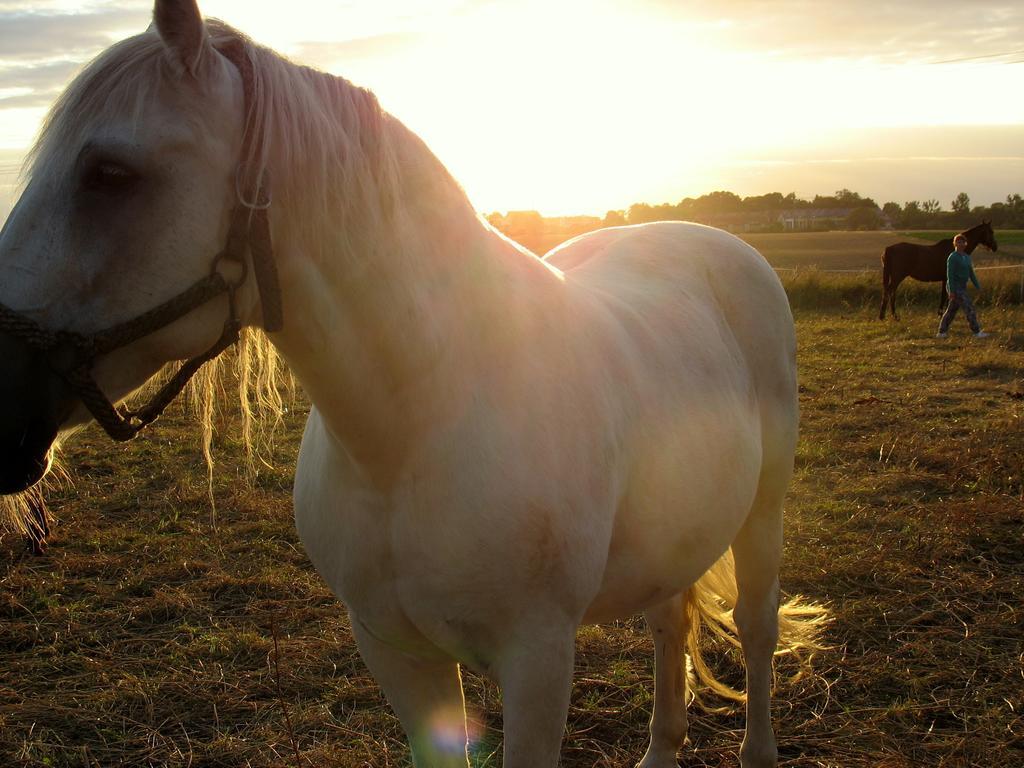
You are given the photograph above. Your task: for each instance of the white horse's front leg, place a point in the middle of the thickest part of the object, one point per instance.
(427, 697)
(535, 674)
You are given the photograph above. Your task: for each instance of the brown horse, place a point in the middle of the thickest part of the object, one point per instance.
(926, 263)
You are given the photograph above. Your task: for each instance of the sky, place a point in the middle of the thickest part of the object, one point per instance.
(584, 106)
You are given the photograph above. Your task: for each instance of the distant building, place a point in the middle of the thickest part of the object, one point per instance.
(802, 219)
(742, 221)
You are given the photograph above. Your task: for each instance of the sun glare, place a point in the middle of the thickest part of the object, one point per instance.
(589, 105)
(19, 126)
(559, 107)
(561, 110)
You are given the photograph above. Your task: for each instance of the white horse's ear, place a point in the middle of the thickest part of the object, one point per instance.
(181, 27)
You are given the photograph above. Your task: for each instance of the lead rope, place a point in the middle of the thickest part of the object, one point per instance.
(123, 424)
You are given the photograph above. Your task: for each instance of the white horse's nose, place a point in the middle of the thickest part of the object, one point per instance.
(33, 403)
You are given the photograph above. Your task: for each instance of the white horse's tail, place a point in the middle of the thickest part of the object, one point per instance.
(710, 603)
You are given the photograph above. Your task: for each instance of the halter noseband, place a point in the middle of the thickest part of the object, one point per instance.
(71, 355)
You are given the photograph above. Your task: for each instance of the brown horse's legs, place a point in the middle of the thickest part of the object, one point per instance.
(885, 297)
(943, 298)
(892, 299)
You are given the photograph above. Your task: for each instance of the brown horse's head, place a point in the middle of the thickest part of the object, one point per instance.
(983, 234)
(989, 237)
(980, 234)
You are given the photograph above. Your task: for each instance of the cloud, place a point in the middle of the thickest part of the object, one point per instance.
(326, 53)
(32, 37)
(35, 85)
(902, 163)
(40, 51)
(911, 30)
(985, 180)
(961, 142)
(41, 48)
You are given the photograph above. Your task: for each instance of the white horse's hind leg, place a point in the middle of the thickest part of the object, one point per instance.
(757, 551)
(668, 624)
(426, 696)
(535, 674)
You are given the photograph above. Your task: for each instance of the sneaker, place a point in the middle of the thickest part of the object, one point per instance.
(941, 335)
(981, 335)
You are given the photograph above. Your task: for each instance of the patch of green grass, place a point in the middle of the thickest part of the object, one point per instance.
(863, 250)
(929, 235)
(1003, 236)
(861, 294)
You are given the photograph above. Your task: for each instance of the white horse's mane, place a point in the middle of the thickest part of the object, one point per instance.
(333, 157)
(341, 171)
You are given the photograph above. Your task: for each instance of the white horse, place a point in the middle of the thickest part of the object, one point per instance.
(501, 447)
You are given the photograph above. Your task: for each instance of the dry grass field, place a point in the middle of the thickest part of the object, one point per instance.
(149, 637)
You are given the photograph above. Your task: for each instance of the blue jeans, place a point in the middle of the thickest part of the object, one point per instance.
(958, 299)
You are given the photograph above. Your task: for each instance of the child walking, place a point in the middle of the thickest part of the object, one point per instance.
(959, 270)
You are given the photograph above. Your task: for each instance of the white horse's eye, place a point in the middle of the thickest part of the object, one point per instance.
(110, 177)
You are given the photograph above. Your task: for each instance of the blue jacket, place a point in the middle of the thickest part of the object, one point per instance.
(958, 270)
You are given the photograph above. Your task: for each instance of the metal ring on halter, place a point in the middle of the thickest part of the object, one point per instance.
(252, 205)
(242, 264)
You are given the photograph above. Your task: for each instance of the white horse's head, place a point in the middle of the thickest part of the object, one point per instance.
(129, 200)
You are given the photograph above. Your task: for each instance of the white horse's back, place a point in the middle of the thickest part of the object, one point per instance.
(700, 336)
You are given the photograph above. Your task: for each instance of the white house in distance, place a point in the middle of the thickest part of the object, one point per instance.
(804, 219)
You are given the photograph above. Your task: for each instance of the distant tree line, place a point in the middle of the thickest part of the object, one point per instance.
(773, 212)
(852, 211)
(928, 214)
(716, 204)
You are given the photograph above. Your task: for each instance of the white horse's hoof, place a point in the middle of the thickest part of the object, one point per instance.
(763, 758)
(659, 760)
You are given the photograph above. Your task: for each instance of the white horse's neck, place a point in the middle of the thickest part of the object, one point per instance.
(406, 314)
